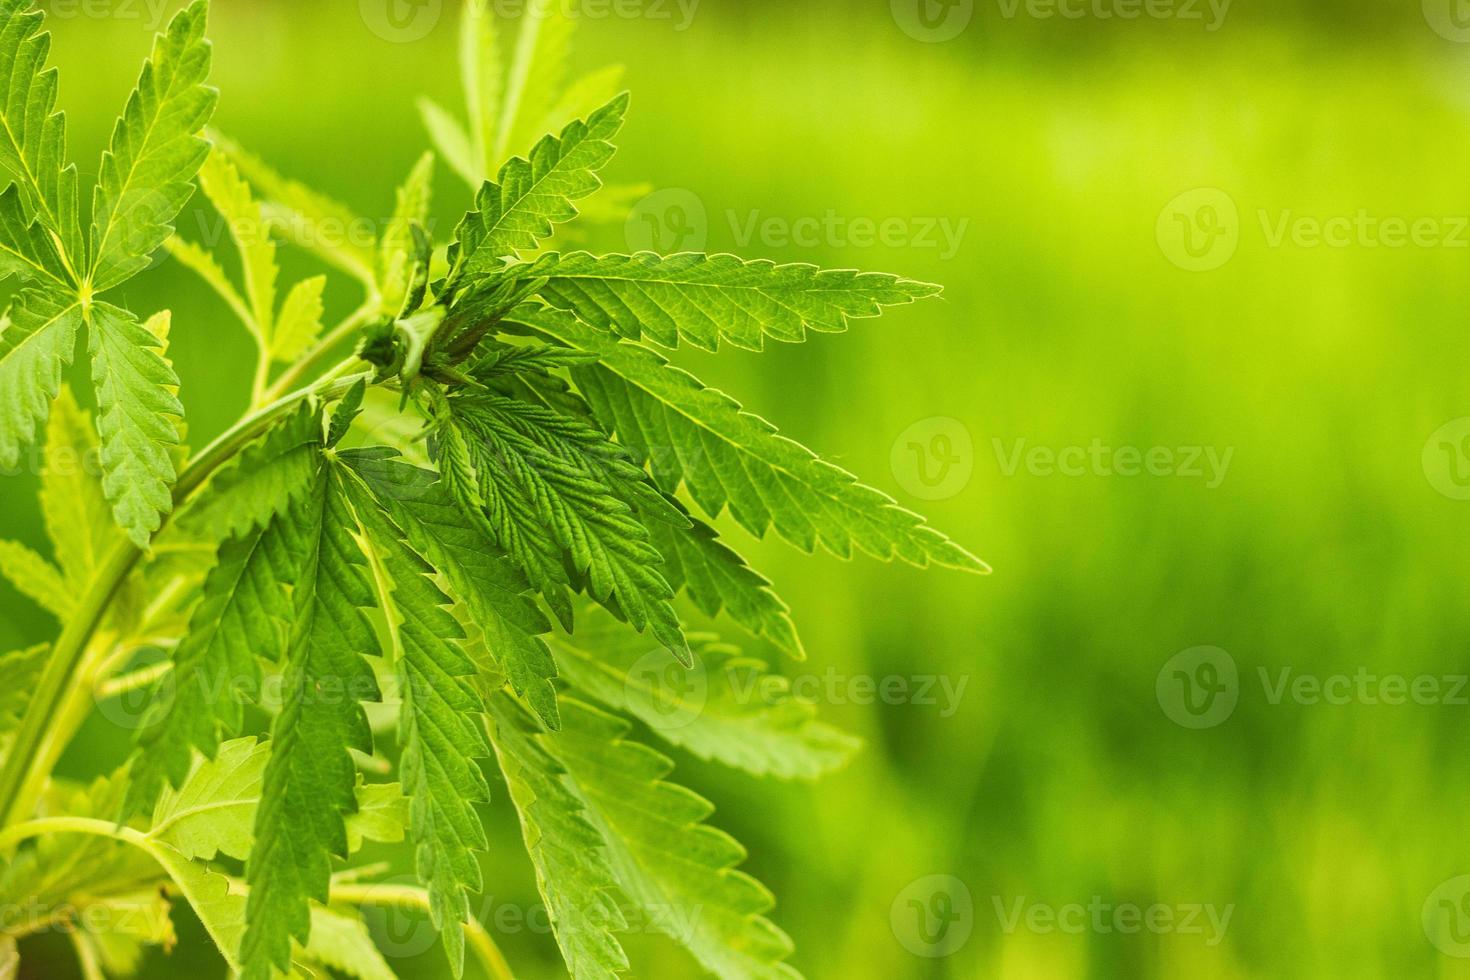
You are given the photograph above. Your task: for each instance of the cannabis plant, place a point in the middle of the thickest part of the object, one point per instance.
(484, 516)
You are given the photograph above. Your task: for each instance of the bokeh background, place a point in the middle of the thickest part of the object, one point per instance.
(1072, 770)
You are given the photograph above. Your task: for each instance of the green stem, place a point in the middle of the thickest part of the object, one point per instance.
(140, 678)
(63, 695)
(339, 334)
(406, 896)
(262, 376)
(87, 957)
(90, 826)
(397, 896)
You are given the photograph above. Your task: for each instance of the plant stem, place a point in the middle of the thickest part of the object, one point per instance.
(90, 826)
(139, 678)
(262, 376)
(324, 347)
(406, 896)
(396, 896)
(64, 692)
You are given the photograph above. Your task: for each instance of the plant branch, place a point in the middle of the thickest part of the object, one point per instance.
(140, 678)
(394, 896)
(60, 702)
(323, 348)
(262, 375)
(408, 897)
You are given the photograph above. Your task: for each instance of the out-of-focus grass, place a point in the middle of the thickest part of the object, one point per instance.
(1324, 550)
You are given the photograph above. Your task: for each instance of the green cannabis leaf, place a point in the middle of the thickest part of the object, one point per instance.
(573, 867)
(145, 178)
(667, 860)
(530, 196)
(480, 537)
(732, 710)
(438, 729)
(155, 152)
(310, 779)
(704, 299)
(729, 458)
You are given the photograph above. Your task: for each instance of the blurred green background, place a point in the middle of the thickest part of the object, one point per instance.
(1334, 544)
